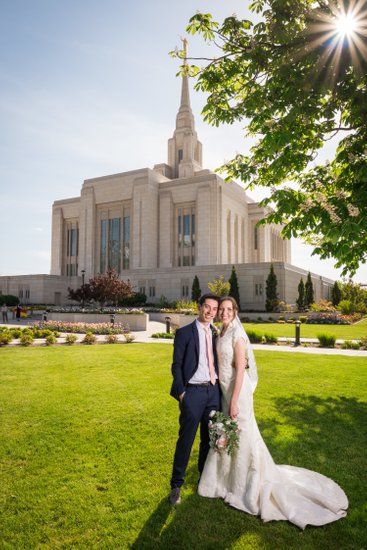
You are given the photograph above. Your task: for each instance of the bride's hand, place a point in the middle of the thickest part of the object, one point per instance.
(233, 410)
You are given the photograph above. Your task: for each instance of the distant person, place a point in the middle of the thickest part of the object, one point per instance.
(4, 312)
(18, 311)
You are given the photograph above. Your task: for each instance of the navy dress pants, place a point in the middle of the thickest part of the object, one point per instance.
(195, 407)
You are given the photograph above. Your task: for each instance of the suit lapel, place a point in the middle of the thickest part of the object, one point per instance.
(196, 337)
(214, 338)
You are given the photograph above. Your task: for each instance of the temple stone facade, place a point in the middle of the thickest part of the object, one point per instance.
(160, 227)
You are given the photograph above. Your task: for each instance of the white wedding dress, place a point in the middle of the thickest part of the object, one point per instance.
(249, 479)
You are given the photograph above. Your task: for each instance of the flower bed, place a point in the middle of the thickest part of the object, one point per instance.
(133, 321)
(80, 328)
(324, 318)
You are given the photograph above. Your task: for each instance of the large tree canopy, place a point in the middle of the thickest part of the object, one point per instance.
(296, 81)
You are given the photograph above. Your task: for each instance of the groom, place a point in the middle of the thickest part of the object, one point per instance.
(195, 386)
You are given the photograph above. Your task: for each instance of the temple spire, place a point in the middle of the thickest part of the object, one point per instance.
(185, 97)
(184, 149)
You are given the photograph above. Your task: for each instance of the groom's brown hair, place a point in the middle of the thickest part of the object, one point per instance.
(208, 296)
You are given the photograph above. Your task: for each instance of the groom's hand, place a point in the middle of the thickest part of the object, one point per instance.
(181, 396)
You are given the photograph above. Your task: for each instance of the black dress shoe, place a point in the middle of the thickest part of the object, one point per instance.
(175, 496)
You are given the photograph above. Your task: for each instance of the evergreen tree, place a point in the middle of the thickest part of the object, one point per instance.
(195, 289)
(301, 296)
(234, 290)
(336, 294)
(271, 290)
(309, 292)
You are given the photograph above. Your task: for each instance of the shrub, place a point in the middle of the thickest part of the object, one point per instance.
(43, 333)
(26, 338)
(347, 307)
(270, 338)
(254, 337)
(363, 343)
(163, 303)
(361, 307)
(185, 305)
(135, 300)
(350, 344)
(9, 299)
(219, 286)
(89, 338)
(5, 338)
(327, 319)
(322, 305)
(16, 332)
(111, 339)
(326, 340)
(70, 339)
(303, 318)
(166, 335)
(50, 339)
(129, 338)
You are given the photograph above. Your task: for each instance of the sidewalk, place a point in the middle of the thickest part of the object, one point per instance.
(154, 326)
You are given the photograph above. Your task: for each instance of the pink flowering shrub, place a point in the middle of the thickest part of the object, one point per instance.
(324, 318)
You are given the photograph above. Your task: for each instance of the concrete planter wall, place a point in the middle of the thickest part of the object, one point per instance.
(135, 322)
(181, 320)
(265, 316)
(176, 319)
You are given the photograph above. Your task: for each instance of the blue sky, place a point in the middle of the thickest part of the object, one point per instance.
(87, 88)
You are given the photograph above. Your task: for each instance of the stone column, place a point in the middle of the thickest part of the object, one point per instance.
(88, 234)
(56, 241)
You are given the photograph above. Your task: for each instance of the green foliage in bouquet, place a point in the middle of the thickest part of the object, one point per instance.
(223, 433)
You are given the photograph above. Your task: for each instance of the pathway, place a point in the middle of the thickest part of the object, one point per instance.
(145, 336)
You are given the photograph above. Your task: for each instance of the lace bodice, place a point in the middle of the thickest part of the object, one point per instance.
(225, 350)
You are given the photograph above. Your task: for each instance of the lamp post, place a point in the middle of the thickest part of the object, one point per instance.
(297, 340)
(168, 324)
(83, 275)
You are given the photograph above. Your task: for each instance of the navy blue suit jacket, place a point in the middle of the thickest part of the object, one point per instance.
(186, 357)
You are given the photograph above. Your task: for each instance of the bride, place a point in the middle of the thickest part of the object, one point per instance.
(249, 479)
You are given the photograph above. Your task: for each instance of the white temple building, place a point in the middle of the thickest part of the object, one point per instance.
(160, 227)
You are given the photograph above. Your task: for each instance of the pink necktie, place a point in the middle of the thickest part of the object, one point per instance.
(209, 351)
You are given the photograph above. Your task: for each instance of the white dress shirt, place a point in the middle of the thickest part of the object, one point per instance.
(202, 374)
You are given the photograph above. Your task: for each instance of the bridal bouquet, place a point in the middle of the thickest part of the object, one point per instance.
(223, 432)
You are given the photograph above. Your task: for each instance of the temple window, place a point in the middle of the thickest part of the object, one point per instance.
(186, 237)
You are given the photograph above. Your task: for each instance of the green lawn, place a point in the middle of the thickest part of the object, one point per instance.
(87, 437)
(287, 330)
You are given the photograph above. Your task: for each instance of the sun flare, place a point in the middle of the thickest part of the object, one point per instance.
(340, 33)
(346, 24)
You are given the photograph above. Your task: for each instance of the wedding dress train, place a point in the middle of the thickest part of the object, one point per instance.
(249, 479)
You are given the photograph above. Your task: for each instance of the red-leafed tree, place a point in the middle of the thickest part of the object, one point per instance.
(81, 294)
(109, 288)
(104, 288)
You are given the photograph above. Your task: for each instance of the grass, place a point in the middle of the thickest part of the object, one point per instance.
(287, 330)
(87, 439)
